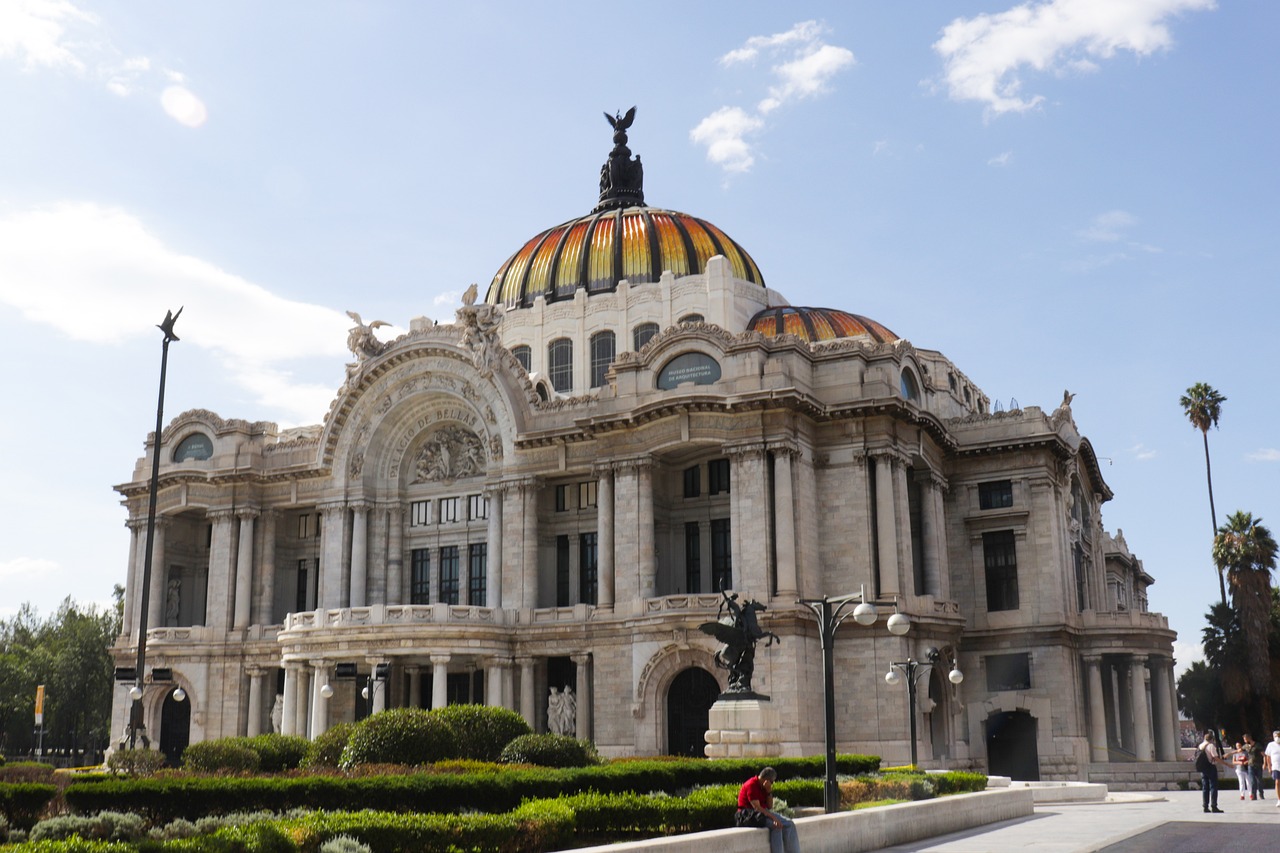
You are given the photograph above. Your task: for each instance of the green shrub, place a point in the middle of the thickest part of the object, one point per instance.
(21, 803)
(402, 736)
(26, 771)
(344, 844)
(136, 762)
(104, 826)
(211, 756)
(550, 750)
(72, 845)
(174, 829)
(278, 752)
(482, 730)
(326, 750)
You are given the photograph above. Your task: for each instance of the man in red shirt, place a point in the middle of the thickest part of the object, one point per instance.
(755, 808)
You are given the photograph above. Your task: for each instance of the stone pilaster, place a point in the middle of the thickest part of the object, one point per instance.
(289, 717)
(253, 727)
(1097, 710)
(244, 569)
(395, 555)
(528, 701)
(493, 550)
(887, 526)
(784, 507)
(1141, 712)
(221, 593)
(319, 704)
(267, 598)
(329, 595)
(359, 554)
(605, 522)
(439, 681)
(582, 665)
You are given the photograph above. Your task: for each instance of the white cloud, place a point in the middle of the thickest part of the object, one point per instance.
(1186, 653)
(96, 274)
(1001, 159)
(1108, 227)
(803, 66)
(984, 56)
(724, 133)
(1141, 452)
(1265, 454)
(56, 34)
(28, 568)
(183, 107)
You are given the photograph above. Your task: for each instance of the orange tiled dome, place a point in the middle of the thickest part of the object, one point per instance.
(817, 324)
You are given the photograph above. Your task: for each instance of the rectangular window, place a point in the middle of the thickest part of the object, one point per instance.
(588, 568)
(1008, 672)
(997, 494)
(587, 494)
(449, 574)
(306, 525)
(718, 476)
(560, 365)
(420, 576)
(562, 497)
(693, 481)
(477, 507)
(721, 556)
(1000, 556)
(300, 597)
(562, 571)
(692, 557)
(477, 559)
(419, 513)
(1082, 592)
(448, 510)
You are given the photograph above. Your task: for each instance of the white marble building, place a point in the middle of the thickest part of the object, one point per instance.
(547, 494)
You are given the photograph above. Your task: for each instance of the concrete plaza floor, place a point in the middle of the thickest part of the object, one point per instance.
(1160, 822)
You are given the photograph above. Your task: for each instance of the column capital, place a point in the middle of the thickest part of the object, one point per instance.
(1092, 658)
(891, 455)
(500, 661)
(745, 449)
(413, 669)
(631, 463)
(320, 664)
(253, 670)
(359, 505)
(246, 513)
(220, 515)
(330, 510)
(524, 660)
(581, 658)
(440, 660)
(136, 524)
(783, 447)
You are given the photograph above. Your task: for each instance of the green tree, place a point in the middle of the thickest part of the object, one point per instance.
(1245, 551)
(1202, 405)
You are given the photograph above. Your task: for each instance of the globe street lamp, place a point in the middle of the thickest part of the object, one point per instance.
(831, 613)
(914, 670)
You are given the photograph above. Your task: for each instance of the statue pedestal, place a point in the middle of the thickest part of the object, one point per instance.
(743, 728)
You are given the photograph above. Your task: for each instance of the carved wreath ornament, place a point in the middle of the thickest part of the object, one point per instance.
(449, 453)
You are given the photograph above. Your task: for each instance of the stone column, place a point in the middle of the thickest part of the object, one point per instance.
(159, 575)
(929, 536)
(218, 601)
(493, 551)
(359, 553)
(1141, 712)
(133, 578)
(528, 701)
(289, 717)
(1165, 735)
(582, 664)
(415, 686)
(1098, 752)
(439, 681)
(244, 569)
(886, 526)
(493, 683)
(329, 595)
(529, 569)
(644, 530)
(267, 601)
(253, 727)
(378, 688)
(604, 522)
(395, 555)
(938, 487)
(1173, 721)
(304, 702)
(784, 507)
(319, 704)
(906, 563)
(748, 525)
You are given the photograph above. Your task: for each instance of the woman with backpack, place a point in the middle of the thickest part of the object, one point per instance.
(1207, 758)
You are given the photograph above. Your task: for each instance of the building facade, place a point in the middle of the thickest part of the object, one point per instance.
(537, 505)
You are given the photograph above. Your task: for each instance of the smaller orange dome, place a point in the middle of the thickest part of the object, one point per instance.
(817, 324)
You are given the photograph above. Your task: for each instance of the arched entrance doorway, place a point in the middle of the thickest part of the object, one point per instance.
(175, 728)
(689, 701)
(1011, 746)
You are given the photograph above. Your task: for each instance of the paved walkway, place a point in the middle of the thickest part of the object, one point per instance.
(1161, 822)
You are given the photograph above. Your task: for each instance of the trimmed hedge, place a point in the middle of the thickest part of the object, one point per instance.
(278, 752)
(400, 736)
(326, 750)
(211, 756)
(550, 750)
(166, 798)
(481, 731)
(21, 803)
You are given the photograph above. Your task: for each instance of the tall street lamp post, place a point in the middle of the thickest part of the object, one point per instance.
(914, 670)
(135, 711)
(831, 613)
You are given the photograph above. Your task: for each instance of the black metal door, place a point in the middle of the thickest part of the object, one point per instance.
(689, 703)
(1011, 746)
(175, 728)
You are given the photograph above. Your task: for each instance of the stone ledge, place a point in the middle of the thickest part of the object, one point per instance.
(855, 832)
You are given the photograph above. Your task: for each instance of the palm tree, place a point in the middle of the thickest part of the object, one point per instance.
(1202, 405)
(1246, 552)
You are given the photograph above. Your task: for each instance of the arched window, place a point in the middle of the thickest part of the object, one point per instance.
(524, 355)
(642, 334)
(560, 365)
(910, 387)
(692, 318)
(603, 348)
(195, 446)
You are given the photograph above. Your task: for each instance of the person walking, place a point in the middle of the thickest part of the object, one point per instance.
(755, 808)
(1240, 761)
(1254, 753)
(1271, 762)
(1207, 759)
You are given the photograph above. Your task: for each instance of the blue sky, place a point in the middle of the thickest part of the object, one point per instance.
(1076, 194)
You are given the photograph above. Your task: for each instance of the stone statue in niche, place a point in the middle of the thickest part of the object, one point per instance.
(173, 602)
(277, 714)
(562, 712)
(449, 453)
